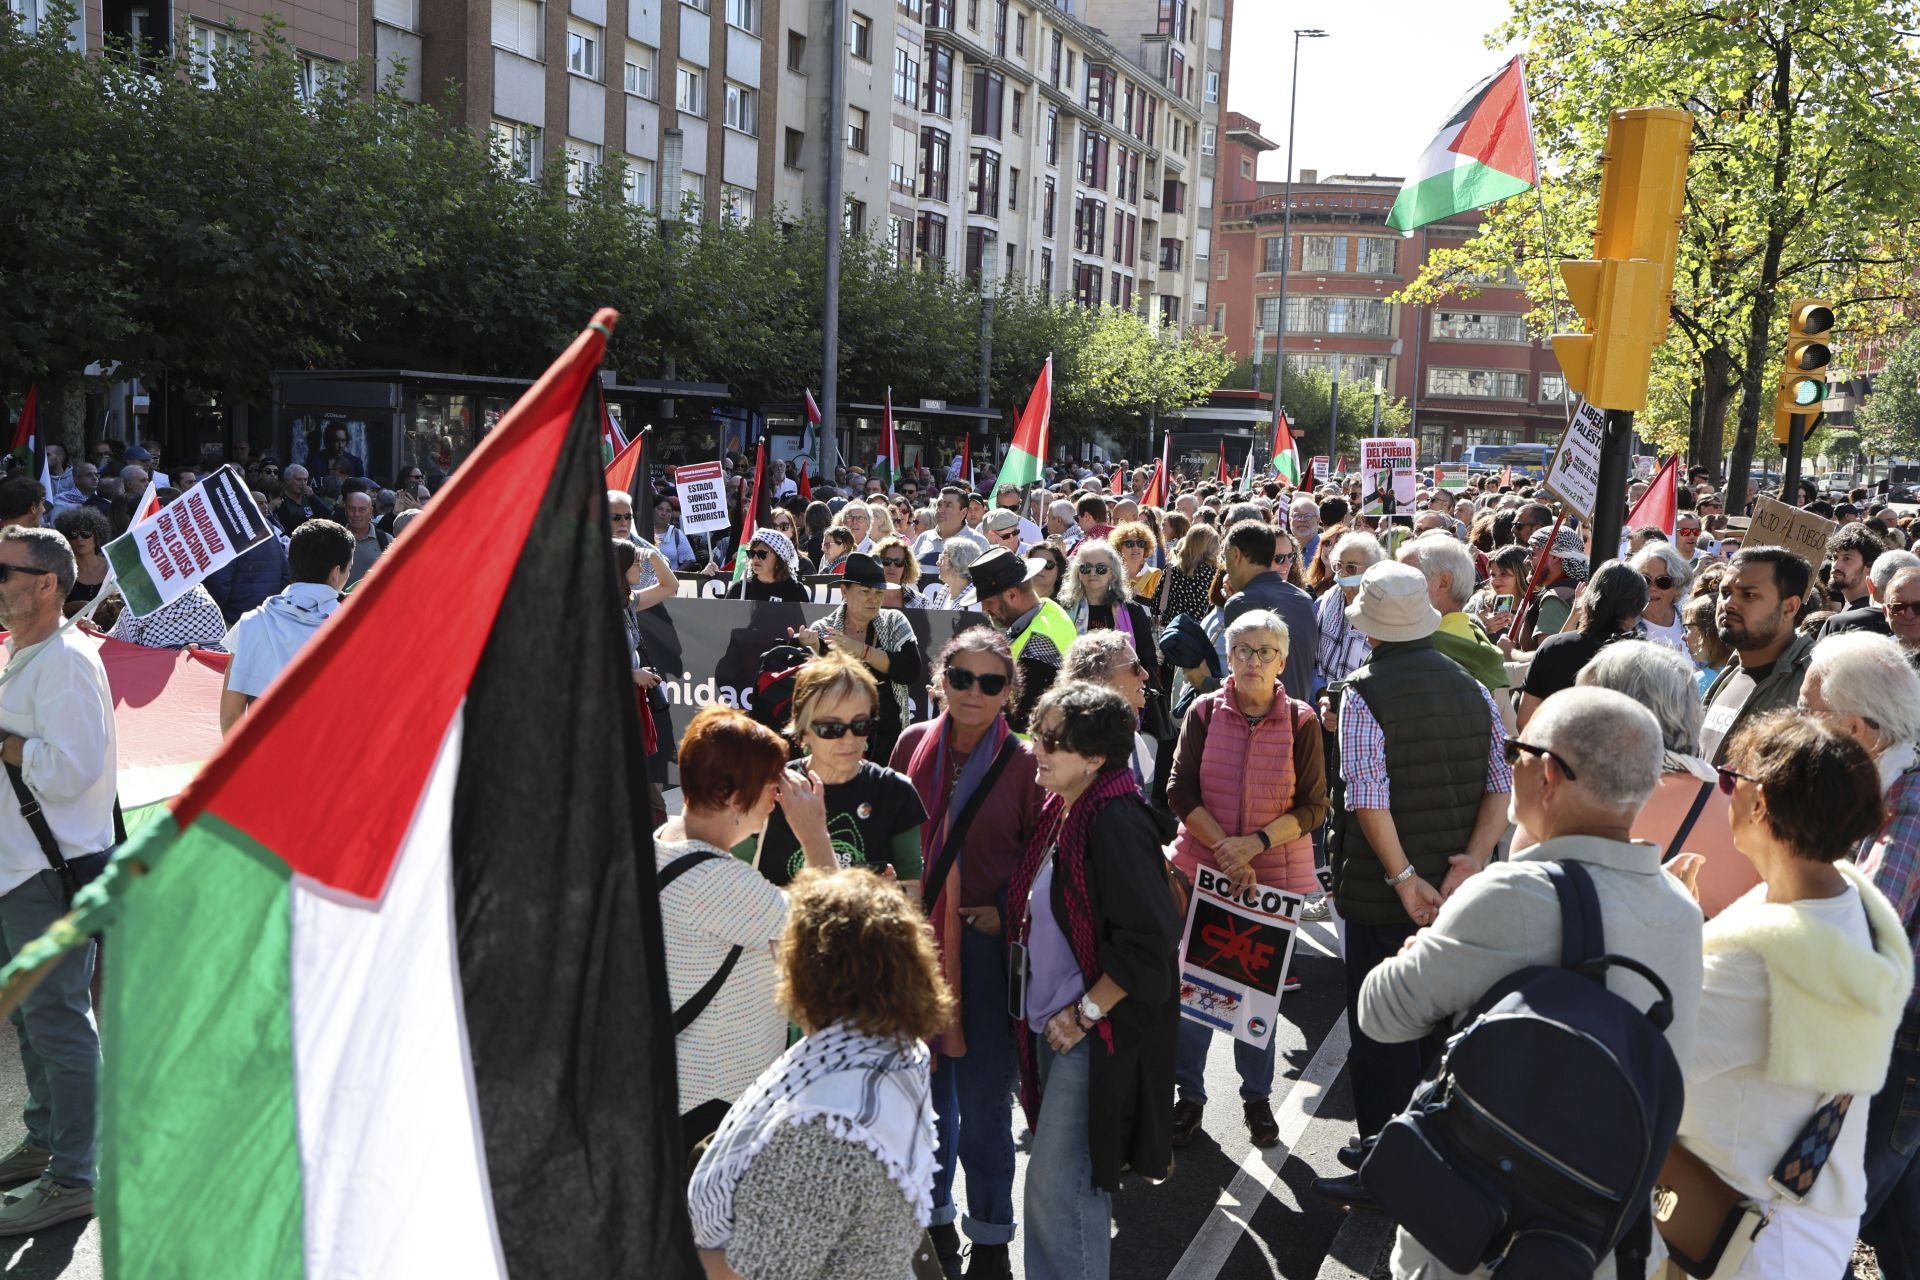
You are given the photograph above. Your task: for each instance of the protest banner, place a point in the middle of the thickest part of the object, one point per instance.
(1234, 955)
(702, 490)
(1574, 474)
(1318, 470)
(166, 555)
(1387, 480)
(708, 651)
(1775, 524)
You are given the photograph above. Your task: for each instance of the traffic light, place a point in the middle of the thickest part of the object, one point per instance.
(1803, 367)
(1622, 291)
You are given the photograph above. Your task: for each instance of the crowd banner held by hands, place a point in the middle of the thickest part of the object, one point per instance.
(1234, 955)
(1775, 524)
(164, 556)
(1574, 474)
(1388, 482)
(702, 490)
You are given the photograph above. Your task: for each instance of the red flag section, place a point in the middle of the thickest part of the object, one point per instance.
(966, 459)
(28, 427)
(802, 483)
(625, 466)
(1496, 131)
(1117, 486)
(750, 518)
(1659, 506)
(813, 408)
(1156, 494)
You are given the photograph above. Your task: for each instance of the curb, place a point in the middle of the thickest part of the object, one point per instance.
(1360, 1249)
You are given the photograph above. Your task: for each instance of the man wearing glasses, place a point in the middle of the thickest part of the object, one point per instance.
(58, 744)
(657, 582)
(1903, 611)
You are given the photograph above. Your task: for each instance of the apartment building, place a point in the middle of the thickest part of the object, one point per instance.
(1468, 365)
(327, 33)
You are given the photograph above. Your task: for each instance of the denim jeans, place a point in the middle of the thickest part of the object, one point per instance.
(59, 1045)
(1891, 1223)
(1190, 1064)
(973, 1098)
(1069, 1221)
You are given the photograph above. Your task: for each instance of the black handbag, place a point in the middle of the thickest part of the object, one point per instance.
(75, 873)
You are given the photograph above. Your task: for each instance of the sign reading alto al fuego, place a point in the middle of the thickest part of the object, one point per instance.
(166, 555)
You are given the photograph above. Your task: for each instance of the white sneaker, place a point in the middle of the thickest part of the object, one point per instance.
(1317, 909)
(43, 1203)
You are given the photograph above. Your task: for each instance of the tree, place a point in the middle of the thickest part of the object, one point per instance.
(1804, 175)
(1889, 419)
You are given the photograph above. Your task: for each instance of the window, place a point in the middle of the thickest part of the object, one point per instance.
(1053, 73)
(1013, 190)
(1323, 253)
(1273, 255)
(517, 25)
(1046, 270)
(940, 14)
(906, 77)
(1086, 284)
(855, 222)
(930, 237)
(736, 204)
(1177, 72)
(1494, 384)
(1172, 253)
(900, 236)
(973, 15)
(744, 14)
(980, 241)
(911, 8)
(1207, 136)
(985, 183)
(1020, 35)
(795, 149)
(857, 129)
(1173, 195)
(1173, 18)
(796, 51)
(693, 196)
(901, 159)
(1213, 86)
(1376, 255)
(1019, 109)
(701, 5)
(1501, 276)
(583, 163)
(1320, 313)
(313, 76)
(583, 50)
(1053, 135)
(1353, 371)
(743, 108)
(933, 163)
(989, 89)
(1047, 197)
(1200, 303)
(690, 90)
(1553, 387)
(640, 64)
(1478, 326)
(940, 82)
(1100, 91)
(1267, 315)
(860, 37)
(636, 184)
(517, 148)
(999, 28)
(1068, 86)
(1093, 160)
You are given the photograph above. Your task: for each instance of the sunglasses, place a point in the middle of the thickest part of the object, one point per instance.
(1729, 777)
(1903, 609)
(834, 730)
(991, 683)
(1009, 534)
(895, 562)
(759, 553)
(1285, 557)
(8, 570)
(1515, 747)
(618, 517)
(1050, 740)
(1088, 570)
(1135, 544)
(269, 471)
(1662, 582)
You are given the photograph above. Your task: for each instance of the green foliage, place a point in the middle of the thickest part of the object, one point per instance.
(219, 234)
(1308, 395)
(1889, 419)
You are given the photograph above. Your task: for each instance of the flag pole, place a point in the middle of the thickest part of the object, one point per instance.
(1548, 242)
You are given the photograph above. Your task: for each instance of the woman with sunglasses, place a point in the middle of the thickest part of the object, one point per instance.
(86, 531)
(773, 570)
(1249, 785)
(1093, 915)
(873, 813)
(1046, 583)
(1135, 542)
(902, 571)
(782, 521)
(977, 783)
(879, 638)
(1095, 596)
(1814, 949)
(836, 544)
(1107, 658)
(1667, 573)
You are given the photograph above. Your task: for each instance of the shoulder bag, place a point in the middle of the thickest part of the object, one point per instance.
(75, 873)
(688, 1013)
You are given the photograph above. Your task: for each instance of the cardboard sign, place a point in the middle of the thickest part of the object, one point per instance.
(1235, 954)
(1388, 483)
(1574, 474)
(164, 556)
(702, 490)
(1775, 524)
(1317, 469)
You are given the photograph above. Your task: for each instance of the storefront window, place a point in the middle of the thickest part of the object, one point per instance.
(439, 429)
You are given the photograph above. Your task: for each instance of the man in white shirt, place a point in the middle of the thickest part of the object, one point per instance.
(266, 640)
(949, 525)
(56, 715)
(779, 483)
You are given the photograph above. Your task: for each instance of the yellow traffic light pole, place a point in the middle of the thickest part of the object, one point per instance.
(1623, 292)
(1803, 384)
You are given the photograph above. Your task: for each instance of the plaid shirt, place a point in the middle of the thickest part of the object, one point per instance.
(1892, 860)
(1343, 650)
(1363, 754)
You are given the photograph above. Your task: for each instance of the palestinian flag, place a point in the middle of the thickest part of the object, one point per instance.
(886, 464)
(1023, 462)
(1286, 462)
(750, 518)
(1482, 155)
(613, 441)
(428, 1035)
(625, 466)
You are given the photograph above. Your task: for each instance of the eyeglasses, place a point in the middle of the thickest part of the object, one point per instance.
(1247, 653)
(759, 553)
(1515, 747)
(8, 570)
(1728, 777)
(895, 562)
(1088, 570)
(834, 730)
(269, 471)
(1684, 532)
(991, 683)
(1661, 582)
(619, 516)
(1903, 608)
(1134, 544)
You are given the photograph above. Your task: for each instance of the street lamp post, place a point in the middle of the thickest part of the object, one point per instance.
(989, 294)
(1259, 356)
(1286, 220)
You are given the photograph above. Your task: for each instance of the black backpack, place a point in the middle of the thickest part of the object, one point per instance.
(1535, 1147)
(773, 684)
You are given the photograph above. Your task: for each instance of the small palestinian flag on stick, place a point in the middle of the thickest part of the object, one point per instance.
(1482, 155)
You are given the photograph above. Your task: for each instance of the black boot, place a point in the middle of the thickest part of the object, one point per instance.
(990, 1262)
(946, 1246)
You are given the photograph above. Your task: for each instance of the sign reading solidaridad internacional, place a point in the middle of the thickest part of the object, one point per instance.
(164, 556)
(702, 490)
(1574, 474)
(1235, 954)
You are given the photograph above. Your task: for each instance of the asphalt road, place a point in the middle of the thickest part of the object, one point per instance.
(70, 1250)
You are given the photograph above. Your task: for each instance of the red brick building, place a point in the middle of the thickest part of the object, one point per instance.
(1469, 367)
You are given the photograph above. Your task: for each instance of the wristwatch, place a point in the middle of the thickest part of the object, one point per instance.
(1091, 1011)
(1406, 874)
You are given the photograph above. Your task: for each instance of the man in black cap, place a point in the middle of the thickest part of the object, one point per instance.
(1039, 630)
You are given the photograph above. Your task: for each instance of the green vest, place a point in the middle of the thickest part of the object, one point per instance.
(1438, 733)
(1053, 623)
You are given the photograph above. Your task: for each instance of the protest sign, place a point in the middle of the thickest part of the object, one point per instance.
(166, 555)
(1775, 524)
(702, 490)
(1235, 954)
(1387, 480)
(1574, 474)
(1318, 471)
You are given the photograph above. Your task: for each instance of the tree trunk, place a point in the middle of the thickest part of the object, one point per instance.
(1716, 381)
